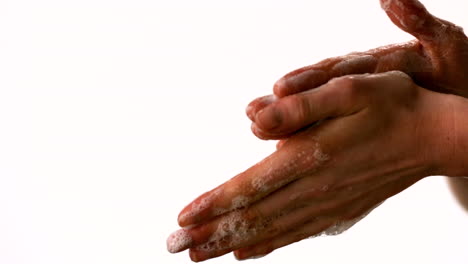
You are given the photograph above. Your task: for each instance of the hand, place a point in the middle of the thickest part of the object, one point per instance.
(437, 60)
(374, 136)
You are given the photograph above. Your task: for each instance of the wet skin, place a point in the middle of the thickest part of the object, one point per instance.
(334, 162)
(324, 176)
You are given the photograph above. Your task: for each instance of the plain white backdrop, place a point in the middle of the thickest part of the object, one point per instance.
(114, 114)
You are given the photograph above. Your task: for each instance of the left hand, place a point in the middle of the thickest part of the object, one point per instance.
(374, 136)
(437, 59)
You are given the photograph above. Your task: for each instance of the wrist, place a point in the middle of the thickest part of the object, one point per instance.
(452, 138)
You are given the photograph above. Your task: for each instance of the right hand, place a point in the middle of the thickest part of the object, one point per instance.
(436, 60)
(378, 134)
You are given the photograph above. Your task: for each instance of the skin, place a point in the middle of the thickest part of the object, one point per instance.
(333, 171)
(334, 162)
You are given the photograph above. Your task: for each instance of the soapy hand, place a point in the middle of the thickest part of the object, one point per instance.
(436, 60)
(372, 137)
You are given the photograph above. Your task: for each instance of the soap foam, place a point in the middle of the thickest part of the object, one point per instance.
(320, 157)
(305, 161)
(202, 204)
(233, 230)
(239, 202)
(340, 227)
(179, 240)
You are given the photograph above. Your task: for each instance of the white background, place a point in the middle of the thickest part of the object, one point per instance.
(115, 114)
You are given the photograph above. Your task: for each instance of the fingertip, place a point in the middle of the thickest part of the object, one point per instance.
(194, 256)
(266, 136)
(303, 79)
(241, 254)
(412, 17)
(249, 111)
(258, 104)
(280, 88)
(178, 241)
(237, 254)
(258, 132)
(269, 118)
(184, 218)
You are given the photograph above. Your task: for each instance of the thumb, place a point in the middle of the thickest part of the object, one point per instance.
(412, 17)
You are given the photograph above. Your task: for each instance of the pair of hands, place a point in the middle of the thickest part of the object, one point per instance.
(348, 141)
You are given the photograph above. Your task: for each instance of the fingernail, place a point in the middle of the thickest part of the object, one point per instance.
(178, 241)
(269, 118)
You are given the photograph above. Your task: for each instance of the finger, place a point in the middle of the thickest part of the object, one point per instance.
(266, 135)
(407, 57)
(217, 235)
(310, 76)
(228, 233)
(238, 234)
(339, 97)
(179, 241)
(315, 75)
(185, 238)
(272, 173)
(258, 104)
(282, 138)
(412, 17)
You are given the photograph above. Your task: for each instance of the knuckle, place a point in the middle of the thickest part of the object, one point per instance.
(351, 88)
(401, 82)
(345, 82)
(400, 75)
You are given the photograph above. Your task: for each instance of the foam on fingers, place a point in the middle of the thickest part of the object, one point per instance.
(200, 207)
(178, 241)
